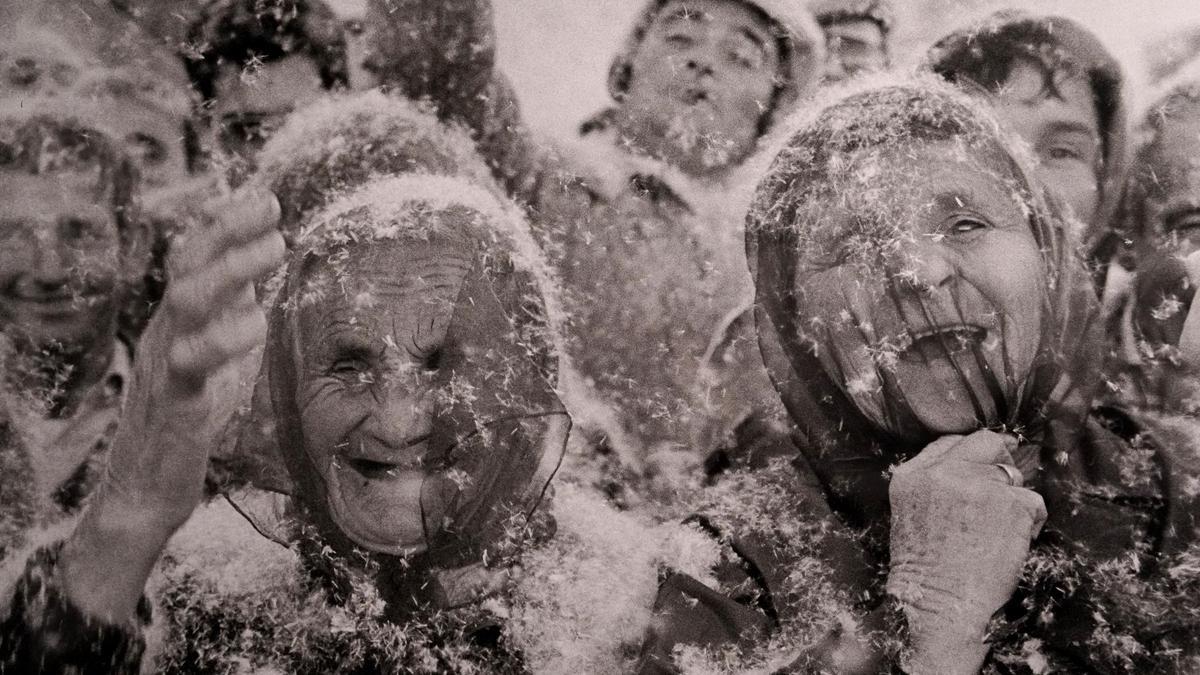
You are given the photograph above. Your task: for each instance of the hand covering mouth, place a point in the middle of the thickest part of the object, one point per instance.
(940, 341)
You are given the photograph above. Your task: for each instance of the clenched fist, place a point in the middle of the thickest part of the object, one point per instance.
(186, 371)
(960, 535)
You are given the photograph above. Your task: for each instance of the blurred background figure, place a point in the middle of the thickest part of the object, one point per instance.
(1157, 336)
(72, 248)
(856, 36)
(1058, 88)
(99, 67)
(253, 62)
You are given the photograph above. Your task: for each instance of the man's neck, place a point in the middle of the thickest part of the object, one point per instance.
(58, 375)
(640, 137)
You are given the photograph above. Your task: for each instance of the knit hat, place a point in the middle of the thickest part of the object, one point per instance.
(336, 144)
(802, 63)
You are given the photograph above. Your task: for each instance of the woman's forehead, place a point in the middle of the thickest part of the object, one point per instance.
(385, 279)
(893, 185)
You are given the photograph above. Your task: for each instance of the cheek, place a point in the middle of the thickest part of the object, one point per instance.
(326, 422)
(1010, 277)
(1076, 185)
(99, 266)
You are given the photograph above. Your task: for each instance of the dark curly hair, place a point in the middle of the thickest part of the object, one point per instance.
(246, 32)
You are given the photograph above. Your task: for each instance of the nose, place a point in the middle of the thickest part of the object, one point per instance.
(50, 262)
(921, 265)
(400, 416)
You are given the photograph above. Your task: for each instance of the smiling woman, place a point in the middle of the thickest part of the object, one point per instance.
(409, 363)
(924, 317)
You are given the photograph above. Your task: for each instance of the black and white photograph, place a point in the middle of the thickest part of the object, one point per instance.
(599, 337)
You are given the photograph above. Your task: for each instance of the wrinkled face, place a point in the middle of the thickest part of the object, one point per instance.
(854, 46)
(1061, 127)
(701, 79)
(252, 104)
(1173, 207)
(61, 264)
(380, 367)
(941, 289)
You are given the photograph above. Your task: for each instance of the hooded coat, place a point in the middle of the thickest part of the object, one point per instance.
(649, 258)
(1106, 585)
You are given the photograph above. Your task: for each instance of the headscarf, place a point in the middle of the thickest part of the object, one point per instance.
(837, 157)
(336, 144)
(495, 408)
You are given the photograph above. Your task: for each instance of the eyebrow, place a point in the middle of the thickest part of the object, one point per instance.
(1074, 127)
(753, 37)
(687, 14)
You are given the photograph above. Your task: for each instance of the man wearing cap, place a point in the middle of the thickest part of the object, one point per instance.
(642, 215)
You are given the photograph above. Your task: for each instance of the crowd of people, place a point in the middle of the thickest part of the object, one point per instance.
(319, 358)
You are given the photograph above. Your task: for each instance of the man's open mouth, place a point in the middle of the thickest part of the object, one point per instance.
(939, 341)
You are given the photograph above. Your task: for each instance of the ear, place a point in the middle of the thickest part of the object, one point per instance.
(619, 76)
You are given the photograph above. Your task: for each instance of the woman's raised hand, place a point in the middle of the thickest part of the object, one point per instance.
(182, 394)
(961, 529)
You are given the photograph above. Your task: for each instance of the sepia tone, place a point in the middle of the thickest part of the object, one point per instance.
(645, 336)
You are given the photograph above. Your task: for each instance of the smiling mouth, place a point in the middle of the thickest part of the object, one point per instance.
(387, 465)
(938, 341)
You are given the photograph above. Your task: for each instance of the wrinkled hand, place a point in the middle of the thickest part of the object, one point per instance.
(187, 366)
(960, 536)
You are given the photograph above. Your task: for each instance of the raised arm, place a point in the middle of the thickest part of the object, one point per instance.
(77, 607)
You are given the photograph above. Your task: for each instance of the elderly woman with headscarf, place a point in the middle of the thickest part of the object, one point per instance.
(924, 317)
(411, 353)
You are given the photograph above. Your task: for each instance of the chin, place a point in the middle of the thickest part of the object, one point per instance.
(395, 516)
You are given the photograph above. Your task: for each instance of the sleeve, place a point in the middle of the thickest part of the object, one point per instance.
(789, 578)
(45, 632)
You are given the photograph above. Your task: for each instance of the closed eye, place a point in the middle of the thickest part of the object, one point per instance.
(680, 41)
(1183, 221)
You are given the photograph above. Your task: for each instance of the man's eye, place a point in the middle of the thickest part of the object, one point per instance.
(1063, 153)
(79, 230)
(148, 148)
(747, 58)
